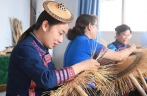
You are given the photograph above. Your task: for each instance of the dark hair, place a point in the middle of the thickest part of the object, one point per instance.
(43, 16)
(121, 28)
(81, 23)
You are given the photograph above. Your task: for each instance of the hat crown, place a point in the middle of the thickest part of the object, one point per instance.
(58, 11)
(62, 7)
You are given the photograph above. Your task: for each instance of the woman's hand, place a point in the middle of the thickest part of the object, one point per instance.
(139, 48)
(90, 64)
(136, 48)
(133, 47)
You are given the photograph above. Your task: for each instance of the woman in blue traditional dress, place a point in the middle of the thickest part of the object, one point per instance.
(83, 45)
(123, 35)
(31, 70)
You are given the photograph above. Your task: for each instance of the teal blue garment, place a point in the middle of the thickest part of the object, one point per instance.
(112, 47)
(82, 48)
(117, 46)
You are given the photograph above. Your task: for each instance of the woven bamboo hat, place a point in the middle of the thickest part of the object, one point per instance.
(58, 11)
(125, 79)
(133, 62)
(130, 73)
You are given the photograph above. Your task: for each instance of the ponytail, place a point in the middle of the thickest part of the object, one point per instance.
(72, 33)
(81, 23)
(26, 33)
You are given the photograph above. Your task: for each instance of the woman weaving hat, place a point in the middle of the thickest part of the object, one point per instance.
(31, 70)
(83, 46)
(123, 35)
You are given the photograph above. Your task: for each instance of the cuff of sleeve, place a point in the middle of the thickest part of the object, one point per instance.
(64, 75)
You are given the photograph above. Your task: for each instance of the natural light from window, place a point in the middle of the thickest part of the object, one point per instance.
(134, 15)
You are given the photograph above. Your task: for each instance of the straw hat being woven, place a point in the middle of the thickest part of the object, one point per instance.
(129, 76)
(130, 73)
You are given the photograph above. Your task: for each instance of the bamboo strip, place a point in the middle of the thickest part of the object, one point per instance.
(142, 79)
(80, 91)
(135, 82)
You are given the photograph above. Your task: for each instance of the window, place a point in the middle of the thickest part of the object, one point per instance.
(136, 14)
(115, 12)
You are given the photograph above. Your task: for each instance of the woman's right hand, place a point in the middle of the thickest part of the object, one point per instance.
(133, 47)
(89, 64)
(139, 48)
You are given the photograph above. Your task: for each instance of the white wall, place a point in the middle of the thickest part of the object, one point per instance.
(58, 52)
(19, 9)
(39, 7)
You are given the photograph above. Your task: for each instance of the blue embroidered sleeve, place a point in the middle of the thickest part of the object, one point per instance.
(112, 47)
(97, 49)
(44, 77)
(30, 60)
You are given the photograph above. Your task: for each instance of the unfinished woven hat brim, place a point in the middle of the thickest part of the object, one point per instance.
(130, 73)
(133, 62)
(121, 85)
(58, 11)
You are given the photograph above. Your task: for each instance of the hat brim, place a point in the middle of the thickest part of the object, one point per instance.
(52, 9)
(133, 62)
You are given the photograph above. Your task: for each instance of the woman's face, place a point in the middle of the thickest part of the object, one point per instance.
(94, 30)
(54, 35)
(124, 37)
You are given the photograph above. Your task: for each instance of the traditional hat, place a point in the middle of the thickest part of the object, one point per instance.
(58, 11)
(130, 73)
